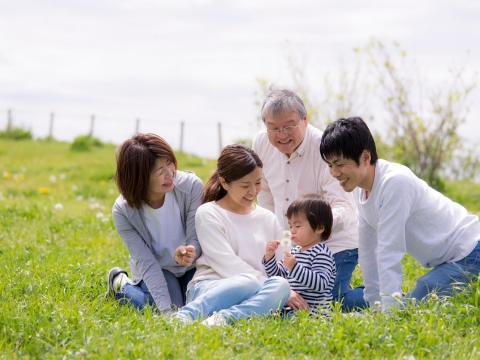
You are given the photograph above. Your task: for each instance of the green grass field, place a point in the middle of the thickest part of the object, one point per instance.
(57, 243)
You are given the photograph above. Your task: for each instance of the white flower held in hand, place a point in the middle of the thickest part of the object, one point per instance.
(286, 242)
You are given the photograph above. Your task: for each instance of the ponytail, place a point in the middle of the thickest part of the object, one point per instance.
(213, 190)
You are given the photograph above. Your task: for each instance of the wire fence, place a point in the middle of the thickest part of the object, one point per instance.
(205, 139)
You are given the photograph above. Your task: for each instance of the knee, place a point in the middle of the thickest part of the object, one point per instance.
(281, 284)
(248, 281)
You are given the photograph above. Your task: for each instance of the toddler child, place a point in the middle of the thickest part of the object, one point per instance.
(309, 267)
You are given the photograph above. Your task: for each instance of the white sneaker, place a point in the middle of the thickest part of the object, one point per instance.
(215, 320)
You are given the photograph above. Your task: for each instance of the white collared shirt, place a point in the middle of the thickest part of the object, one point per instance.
(287, 178)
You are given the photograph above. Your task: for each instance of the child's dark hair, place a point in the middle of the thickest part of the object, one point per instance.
(317, 211)
(235, 162)
(348, 138)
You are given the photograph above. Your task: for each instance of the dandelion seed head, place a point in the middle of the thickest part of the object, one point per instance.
(397, 295)
(99, 215)
(58, 206)
(52, 178)
(62, 176)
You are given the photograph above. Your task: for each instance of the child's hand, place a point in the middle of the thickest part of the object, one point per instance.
(289, 261)
(272, 245)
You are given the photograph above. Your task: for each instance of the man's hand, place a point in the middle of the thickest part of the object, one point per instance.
(184, 255)
(272, 245)
(289, 261)
(297, 302)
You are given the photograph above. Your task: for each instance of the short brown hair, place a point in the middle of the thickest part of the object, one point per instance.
(136, 159)
(317, 211)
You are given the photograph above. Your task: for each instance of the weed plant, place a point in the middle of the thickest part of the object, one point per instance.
(58, 243)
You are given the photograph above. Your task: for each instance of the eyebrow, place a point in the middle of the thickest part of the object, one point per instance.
(286, 122)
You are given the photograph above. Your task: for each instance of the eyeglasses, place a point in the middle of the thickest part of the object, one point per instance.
(287, 130)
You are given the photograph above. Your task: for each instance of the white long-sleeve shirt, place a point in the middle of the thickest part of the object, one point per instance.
(287, 178)
(404, 215)
(233, 243)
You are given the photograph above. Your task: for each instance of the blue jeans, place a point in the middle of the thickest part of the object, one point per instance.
(238, 297)
(345, 261)
(447, 278)
(139, 296)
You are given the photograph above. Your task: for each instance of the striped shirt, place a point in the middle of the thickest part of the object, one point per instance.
(312, 277)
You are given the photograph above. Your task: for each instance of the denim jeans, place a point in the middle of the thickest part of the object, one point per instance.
(139, 296)
(238, 297)
(345, 261)
(447, 278)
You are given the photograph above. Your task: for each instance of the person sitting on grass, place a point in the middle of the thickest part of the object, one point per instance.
(155, 217)
(309, 266)
(398, 214)
(230, 282)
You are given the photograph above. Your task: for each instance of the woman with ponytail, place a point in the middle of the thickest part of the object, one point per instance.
(230, 282)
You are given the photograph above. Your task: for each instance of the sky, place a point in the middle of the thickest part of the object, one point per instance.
(196, 62)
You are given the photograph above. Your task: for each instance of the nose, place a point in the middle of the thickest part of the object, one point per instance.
(282, 134)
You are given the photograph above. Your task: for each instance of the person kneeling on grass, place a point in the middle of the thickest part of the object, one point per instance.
(309, 266)
(155, 217)
(230, 282)
(398, 214)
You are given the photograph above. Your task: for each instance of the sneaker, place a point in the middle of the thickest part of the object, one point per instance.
(111, 277)
(215, 320)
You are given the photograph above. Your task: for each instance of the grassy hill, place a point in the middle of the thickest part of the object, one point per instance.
(57, 243)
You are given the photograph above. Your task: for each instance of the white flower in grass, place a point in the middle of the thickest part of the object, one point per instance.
(434, 297)
(99, 215)
(286, 241)
(58, 206)
(397, 295)
(62, 176)
(111, 191)
(105, 219)
(52, 178)
(79, 197)
(74, 187)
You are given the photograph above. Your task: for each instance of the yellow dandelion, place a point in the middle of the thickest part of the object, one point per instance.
(20, 178)
(7, 175)
(44, 190)
(103, 183)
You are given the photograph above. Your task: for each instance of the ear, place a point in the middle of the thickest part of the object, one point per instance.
(319, 231)
(223, 183)
(365, 157)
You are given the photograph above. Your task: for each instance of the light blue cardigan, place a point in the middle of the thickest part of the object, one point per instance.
(130, 225)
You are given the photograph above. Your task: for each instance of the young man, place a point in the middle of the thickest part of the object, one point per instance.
(292, 167)
(399, 213)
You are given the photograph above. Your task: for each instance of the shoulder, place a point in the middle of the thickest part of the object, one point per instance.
(187, 181)
(396, 175)
(260, 142)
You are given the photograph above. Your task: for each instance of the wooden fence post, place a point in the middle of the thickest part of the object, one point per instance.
(9, 120)
(50, 133)
(220, 137)
(92, 123)
(182, 128)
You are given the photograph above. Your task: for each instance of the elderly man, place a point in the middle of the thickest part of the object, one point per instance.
(292, 166)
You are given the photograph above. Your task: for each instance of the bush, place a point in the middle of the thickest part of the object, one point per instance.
(85, 143)
(16, 134)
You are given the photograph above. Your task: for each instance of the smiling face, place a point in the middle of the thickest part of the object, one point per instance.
(350, 175)
(161, 181)
(302, 233)
(286, 143)
(241, 193)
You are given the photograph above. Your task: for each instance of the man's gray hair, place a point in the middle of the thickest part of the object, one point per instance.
(279, 100)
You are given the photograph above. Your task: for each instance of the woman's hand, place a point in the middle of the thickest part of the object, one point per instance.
(272, 245)
(297, 302)
(184, 255)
